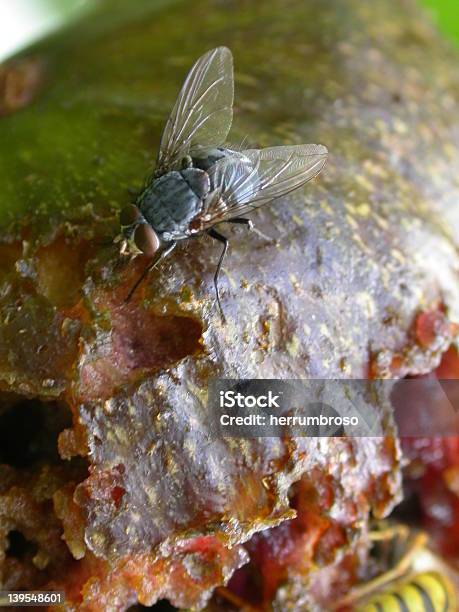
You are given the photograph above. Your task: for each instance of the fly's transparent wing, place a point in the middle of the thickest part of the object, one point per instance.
(203, 111)
(254, 177)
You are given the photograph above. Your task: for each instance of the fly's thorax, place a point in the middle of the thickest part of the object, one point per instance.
(171, 202)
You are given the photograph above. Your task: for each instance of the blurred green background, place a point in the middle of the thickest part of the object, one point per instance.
(446, 14)
(25, 21)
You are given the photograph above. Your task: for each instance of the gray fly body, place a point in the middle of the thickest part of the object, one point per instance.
(198, 182)
(171, 202)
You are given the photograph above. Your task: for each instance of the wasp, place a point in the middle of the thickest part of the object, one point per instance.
(200, 182)
(414, 578)
(421, 592)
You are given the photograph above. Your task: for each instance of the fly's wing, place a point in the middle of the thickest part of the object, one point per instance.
(203, 111)
(254, 177)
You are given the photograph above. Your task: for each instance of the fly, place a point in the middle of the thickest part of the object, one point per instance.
(198, 181)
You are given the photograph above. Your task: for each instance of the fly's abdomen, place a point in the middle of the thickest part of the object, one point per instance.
(172, 201)
(206, 158)
(241, 172)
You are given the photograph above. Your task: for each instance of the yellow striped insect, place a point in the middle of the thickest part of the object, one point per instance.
(422, 592)
(410, 577)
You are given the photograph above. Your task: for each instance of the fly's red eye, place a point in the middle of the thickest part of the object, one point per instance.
(129, 214)
(146, 239)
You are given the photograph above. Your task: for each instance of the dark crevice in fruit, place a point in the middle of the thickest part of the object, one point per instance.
(161, 606)
(29, 430)
(19, 547)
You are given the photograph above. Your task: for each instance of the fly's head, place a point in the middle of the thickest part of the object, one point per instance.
(137, 236)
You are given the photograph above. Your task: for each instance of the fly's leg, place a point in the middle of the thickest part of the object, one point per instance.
(251, 227)
(242, 221)
(151, 266)
(214, 234)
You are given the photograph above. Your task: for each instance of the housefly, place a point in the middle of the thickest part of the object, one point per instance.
(198, 181)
